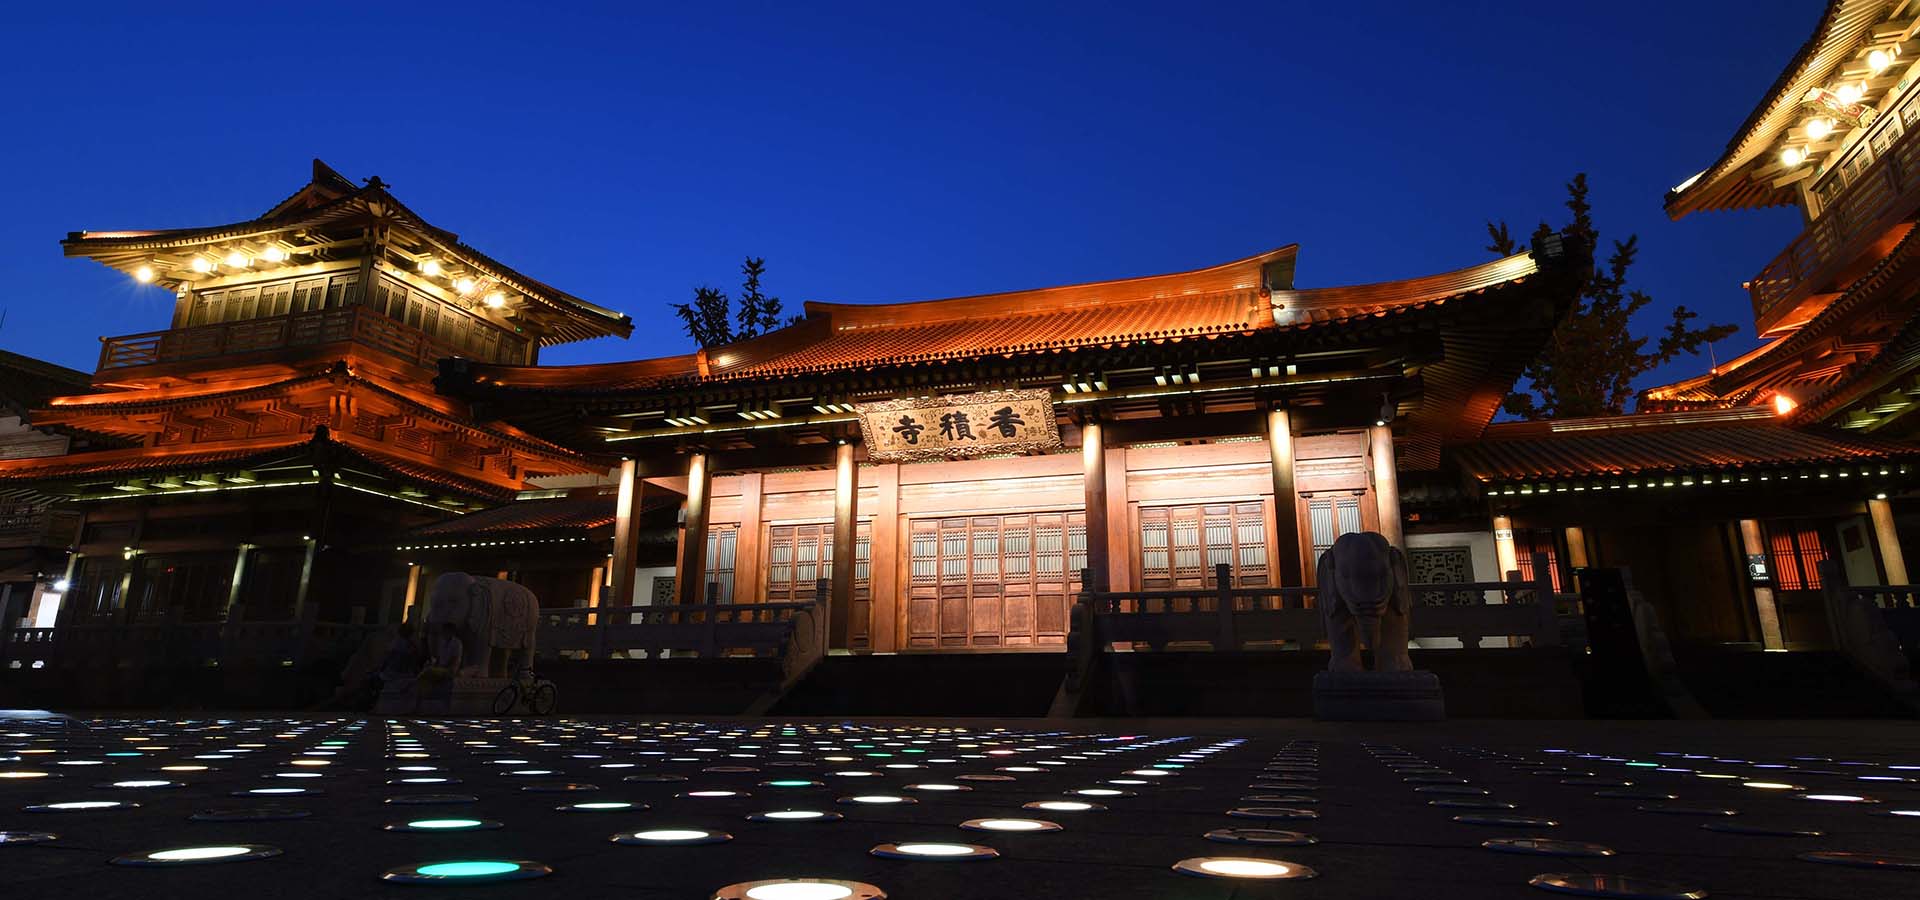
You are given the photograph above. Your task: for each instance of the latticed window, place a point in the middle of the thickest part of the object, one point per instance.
(798, 556)
(1795, 553)
(1535, 547)
(722, 543)
(1181, 545)
(993, 580)
(1330, 517)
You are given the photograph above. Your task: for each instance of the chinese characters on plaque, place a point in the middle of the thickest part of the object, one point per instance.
(958, 426)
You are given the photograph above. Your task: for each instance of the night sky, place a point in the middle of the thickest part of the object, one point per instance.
(886, 152)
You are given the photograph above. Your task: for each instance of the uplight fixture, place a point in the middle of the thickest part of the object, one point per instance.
(465, 285)
(496, 300)
(274, 253)
(1792, 156)
(202, 265)
(143, 274)
(1819, 128)
(1241, 867)
(237, 260)
(430, 268)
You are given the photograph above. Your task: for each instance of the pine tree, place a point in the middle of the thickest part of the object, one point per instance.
(708, 319)
(759, 313)
(1590, 363)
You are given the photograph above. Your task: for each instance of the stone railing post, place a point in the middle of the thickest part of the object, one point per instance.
(1547, 626)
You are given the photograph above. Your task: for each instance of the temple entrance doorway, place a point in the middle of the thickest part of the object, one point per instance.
(993, 582)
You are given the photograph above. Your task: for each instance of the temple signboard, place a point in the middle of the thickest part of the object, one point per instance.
(960, 425)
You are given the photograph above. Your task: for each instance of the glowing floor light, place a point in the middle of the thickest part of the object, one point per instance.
(1242, 867)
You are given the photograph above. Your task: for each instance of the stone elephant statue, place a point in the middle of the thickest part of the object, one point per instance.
(1364, 594)
(494, 619)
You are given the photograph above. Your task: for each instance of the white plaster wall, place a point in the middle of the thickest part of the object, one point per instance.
(1859, 562)
(1486, 566)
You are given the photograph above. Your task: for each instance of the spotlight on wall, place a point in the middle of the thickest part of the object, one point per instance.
(1085, 383)
(1185, 373)
(143, 274)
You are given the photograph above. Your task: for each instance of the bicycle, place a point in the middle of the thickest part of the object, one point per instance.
(537, 694)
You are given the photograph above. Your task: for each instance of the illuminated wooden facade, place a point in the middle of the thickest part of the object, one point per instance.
(1218, 415)
(1803, 449)
(262, 452)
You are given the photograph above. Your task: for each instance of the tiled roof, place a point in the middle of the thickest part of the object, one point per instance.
(114, 463)
(1147, 319)
(583, 513)
(408, 470)
(1245, 296)
(335, 199)
(1628, 445)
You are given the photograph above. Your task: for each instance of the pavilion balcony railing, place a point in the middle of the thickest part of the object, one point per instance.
(1225, 618)
(352, 324)
(1864, 191)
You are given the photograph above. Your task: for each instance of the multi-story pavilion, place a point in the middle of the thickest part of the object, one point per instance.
(264, 449)
(952, 466)
(1731, 487)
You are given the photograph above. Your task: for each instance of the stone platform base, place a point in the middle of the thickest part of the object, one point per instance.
(1378, 697)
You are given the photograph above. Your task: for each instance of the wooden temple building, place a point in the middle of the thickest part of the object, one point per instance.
(1727, 490)
(349, 400)
(951, 467)
(260, 455)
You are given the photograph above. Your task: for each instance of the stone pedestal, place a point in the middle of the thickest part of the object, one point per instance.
(1378, 697)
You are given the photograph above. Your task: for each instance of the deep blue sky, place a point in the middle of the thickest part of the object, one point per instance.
(886, 152)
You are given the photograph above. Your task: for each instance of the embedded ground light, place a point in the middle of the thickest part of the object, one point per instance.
(1242, 867)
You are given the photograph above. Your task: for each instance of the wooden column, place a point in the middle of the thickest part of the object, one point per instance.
(1093, 464)
(1763, 602)
(1576, 551)
(692, 586)
(1120, 536)
(233, 585)
(1888, 538)
(626, 533)
(1286, 500)
(883, 578)
(1386, 483)
(846, 524)
(749, 563)
(1503, 551)
(413, 594)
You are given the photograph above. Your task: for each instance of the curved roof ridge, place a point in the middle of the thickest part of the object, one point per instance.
(1381, 297)
(1241, 274)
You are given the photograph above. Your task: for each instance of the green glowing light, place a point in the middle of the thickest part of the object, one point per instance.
(468, 869)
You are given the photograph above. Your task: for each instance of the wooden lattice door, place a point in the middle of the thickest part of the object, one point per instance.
(994, 581)
(1180, 546)
(1332, 514)
(798, 556)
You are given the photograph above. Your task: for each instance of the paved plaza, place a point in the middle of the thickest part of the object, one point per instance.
(347, 807)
